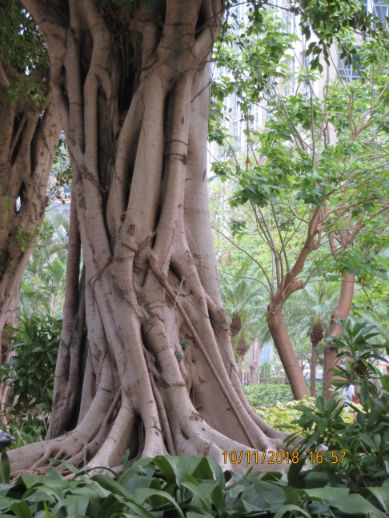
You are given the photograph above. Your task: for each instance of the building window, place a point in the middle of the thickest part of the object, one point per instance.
(381, 10)
(349, 70)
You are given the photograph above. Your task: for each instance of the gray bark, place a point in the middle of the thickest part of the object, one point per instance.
(140, 190)
(28, 139)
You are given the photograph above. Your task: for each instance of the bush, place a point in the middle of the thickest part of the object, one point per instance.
(283, 416)
(30, 372)
(191, 487)
(26, 429)
(31, 369)
(267, 394)
(364, 440)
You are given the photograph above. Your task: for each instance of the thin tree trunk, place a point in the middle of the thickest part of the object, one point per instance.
(284, 346)
(11, 319)
(157, 366)
(286, 286)
(316, 335)
(28, 139)
(339, 314)
(255, 354)
(312, 370)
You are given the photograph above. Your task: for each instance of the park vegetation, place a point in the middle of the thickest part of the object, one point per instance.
(122, 350)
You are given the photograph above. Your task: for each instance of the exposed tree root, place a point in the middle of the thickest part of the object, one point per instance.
(156, 361)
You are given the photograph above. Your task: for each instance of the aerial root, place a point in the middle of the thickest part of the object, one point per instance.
(212, 443)
(163, 418)
(117, 440)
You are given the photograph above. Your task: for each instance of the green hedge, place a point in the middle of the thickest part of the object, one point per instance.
(267, 394)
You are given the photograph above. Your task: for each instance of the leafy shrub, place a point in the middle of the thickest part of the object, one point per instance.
(26, 429)
(365, 438)
(30, 372)
(191, 487)
(283, 416)
(31, 368)
(267, 394)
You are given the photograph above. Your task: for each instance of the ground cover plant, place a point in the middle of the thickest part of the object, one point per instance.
(266, 394)
(169, 486)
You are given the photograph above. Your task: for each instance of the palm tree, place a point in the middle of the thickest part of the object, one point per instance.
(313, 307)
(245, 304)
(43, 285)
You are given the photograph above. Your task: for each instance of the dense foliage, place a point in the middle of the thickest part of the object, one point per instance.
(30, 374)
(43, 286)
(193, 487)
(301, 157)
(365, 439)
(267, 394)
(23, 56)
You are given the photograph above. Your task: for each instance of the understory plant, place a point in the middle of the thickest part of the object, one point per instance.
(363, 442)
(30, 374)
(169, 486)
(267, 394)
(283, 415)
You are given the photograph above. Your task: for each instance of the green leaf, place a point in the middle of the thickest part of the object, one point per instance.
(382, 495)
(6, 503)
(344, 501)
(202, 490)
(142, 495)
(110, 485)
(290, 508)
(77, 505)
(21, 510)
(5, 469)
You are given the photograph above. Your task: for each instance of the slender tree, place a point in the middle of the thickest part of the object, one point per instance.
(339, 314)
(28, 137)
(313, 174)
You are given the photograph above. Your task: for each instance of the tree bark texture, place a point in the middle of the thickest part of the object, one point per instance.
(284, 346)
(254, 358)
(312, 370)
(145, 360)
(28, 139)
(340, 313)
(316, 335)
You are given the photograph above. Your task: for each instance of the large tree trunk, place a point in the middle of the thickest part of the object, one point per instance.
(340, 313)
(154, 372)
(28, 139)
(284, 346)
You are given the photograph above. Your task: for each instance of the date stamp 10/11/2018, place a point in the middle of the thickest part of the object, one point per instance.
(281, 457)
